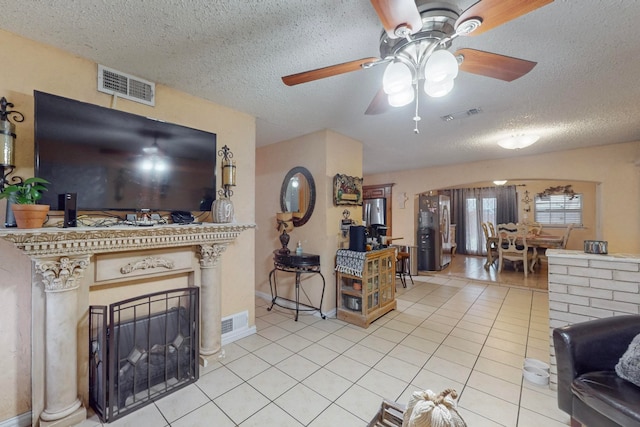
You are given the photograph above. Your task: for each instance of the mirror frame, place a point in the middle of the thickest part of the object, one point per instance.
(297, 222)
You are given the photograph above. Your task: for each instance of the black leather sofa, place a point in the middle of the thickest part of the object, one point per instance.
(588, 387)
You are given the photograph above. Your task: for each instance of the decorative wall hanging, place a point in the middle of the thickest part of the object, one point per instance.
(560, 189)
(527, 201)
(402, 199)
(347, 190)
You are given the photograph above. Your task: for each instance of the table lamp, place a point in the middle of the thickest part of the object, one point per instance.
(285, 223)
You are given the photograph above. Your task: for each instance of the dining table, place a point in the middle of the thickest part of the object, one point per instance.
(543, 241)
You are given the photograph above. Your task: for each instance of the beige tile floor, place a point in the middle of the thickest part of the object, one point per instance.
(448, 332)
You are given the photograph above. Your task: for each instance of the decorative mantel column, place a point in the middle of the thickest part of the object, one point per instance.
(210, 300)
(61, 279)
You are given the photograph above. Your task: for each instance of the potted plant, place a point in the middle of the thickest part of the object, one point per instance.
(23, 197)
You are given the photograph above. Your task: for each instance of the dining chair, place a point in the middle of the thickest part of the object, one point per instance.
(452, 239)
(492, 229)
(491, 246)
(402, 267)
(512, 246)
(535, 228)
(565, 237)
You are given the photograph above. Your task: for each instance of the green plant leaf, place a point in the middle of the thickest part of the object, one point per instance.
(27, 192)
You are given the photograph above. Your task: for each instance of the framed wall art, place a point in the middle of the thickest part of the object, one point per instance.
(347, 190)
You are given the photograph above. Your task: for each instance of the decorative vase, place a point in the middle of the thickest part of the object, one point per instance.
(30, 216)
(222, 210)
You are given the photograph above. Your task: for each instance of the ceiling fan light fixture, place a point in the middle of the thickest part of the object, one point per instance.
(400, 99)
(440, 66)
(397, 78)
(438, 89)
(516, 142)
(469, 26)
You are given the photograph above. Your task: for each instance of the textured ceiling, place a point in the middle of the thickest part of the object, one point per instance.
(584, 90)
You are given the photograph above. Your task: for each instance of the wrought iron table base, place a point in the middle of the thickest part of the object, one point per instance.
(298, 271)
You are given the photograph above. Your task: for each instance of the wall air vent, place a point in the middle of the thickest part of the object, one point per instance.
(235, 327)
(126, 86)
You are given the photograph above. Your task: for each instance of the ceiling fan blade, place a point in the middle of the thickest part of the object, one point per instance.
(398, 13)
(321, 73)
(379, 104)
(497, 12)
(494, 65)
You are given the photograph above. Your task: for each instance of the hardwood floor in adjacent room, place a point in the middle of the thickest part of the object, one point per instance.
(472, 267)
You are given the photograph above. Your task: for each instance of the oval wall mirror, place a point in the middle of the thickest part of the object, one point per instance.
(298, 195)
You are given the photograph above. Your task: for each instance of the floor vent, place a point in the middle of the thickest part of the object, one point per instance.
(235, 326)
(126, 86)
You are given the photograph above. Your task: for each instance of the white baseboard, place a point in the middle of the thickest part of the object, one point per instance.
(22, 420)
(292, 305)
(236, 335)
(264, 296)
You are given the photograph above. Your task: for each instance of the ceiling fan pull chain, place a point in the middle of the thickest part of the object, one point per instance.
(416, 118)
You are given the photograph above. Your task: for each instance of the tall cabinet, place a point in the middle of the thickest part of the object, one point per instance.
(361, 300)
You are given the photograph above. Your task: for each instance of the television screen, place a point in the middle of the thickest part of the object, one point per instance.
(115, 160)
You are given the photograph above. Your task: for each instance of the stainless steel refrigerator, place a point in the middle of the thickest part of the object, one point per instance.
(374, 212)
(434, 242)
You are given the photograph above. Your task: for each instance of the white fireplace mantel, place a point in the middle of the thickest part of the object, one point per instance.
(48, 242)
(59, 258)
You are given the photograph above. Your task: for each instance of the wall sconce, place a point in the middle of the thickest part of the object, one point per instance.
(228, 172)
(7, 136)
(7, 156)
(222, 209)
(346, 223)
(526, 200)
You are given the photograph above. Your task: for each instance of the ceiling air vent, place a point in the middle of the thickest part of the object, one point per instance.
(461, 114)
(126, 86)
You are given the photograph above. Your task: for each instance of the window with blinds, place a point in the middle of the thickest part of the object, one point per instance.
(559, 209)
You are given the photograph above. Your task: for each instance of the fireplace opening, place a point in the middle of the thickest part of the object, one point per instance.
(142, 349)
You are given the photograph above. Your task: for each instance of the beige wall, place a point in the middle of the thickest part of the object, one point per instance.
(38, 67)
(612, 168)
(579, 234)
(324, 153)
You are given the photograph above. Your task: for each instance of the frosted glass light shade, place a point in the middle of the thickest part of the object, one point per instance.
(518, 141)
(397, 77)
(401, 99)
(438, 89)
(441, 65)
(7, 145)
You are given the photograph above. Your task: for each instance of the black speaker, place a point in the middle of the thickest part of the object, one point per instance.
(357, 238)
(67, 202)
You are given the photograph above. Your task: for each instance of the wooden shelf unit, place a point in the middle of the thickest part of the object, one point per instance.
(375, 291)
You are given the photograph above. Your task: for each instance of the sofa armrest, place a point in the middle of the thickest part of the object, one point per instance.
(595, 345)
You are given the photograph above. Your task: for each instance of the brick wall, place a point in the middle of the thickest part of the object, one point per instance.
(588, 286)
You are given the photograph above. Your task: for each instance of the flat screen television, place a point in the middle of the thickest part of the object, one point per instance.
(115, 160)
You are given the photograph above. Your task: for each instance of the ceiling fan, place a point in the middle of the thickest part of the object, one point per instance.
(415, 43)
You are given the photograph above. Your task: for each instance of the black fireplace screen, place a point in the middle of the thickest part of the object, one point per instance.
(146, 348)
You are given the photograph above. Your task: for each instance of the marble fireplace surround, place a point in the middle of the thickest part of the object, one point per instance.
(61, 257)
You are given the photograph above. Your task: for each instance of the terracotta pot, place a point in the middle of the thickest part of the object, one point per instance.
(30, 216)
